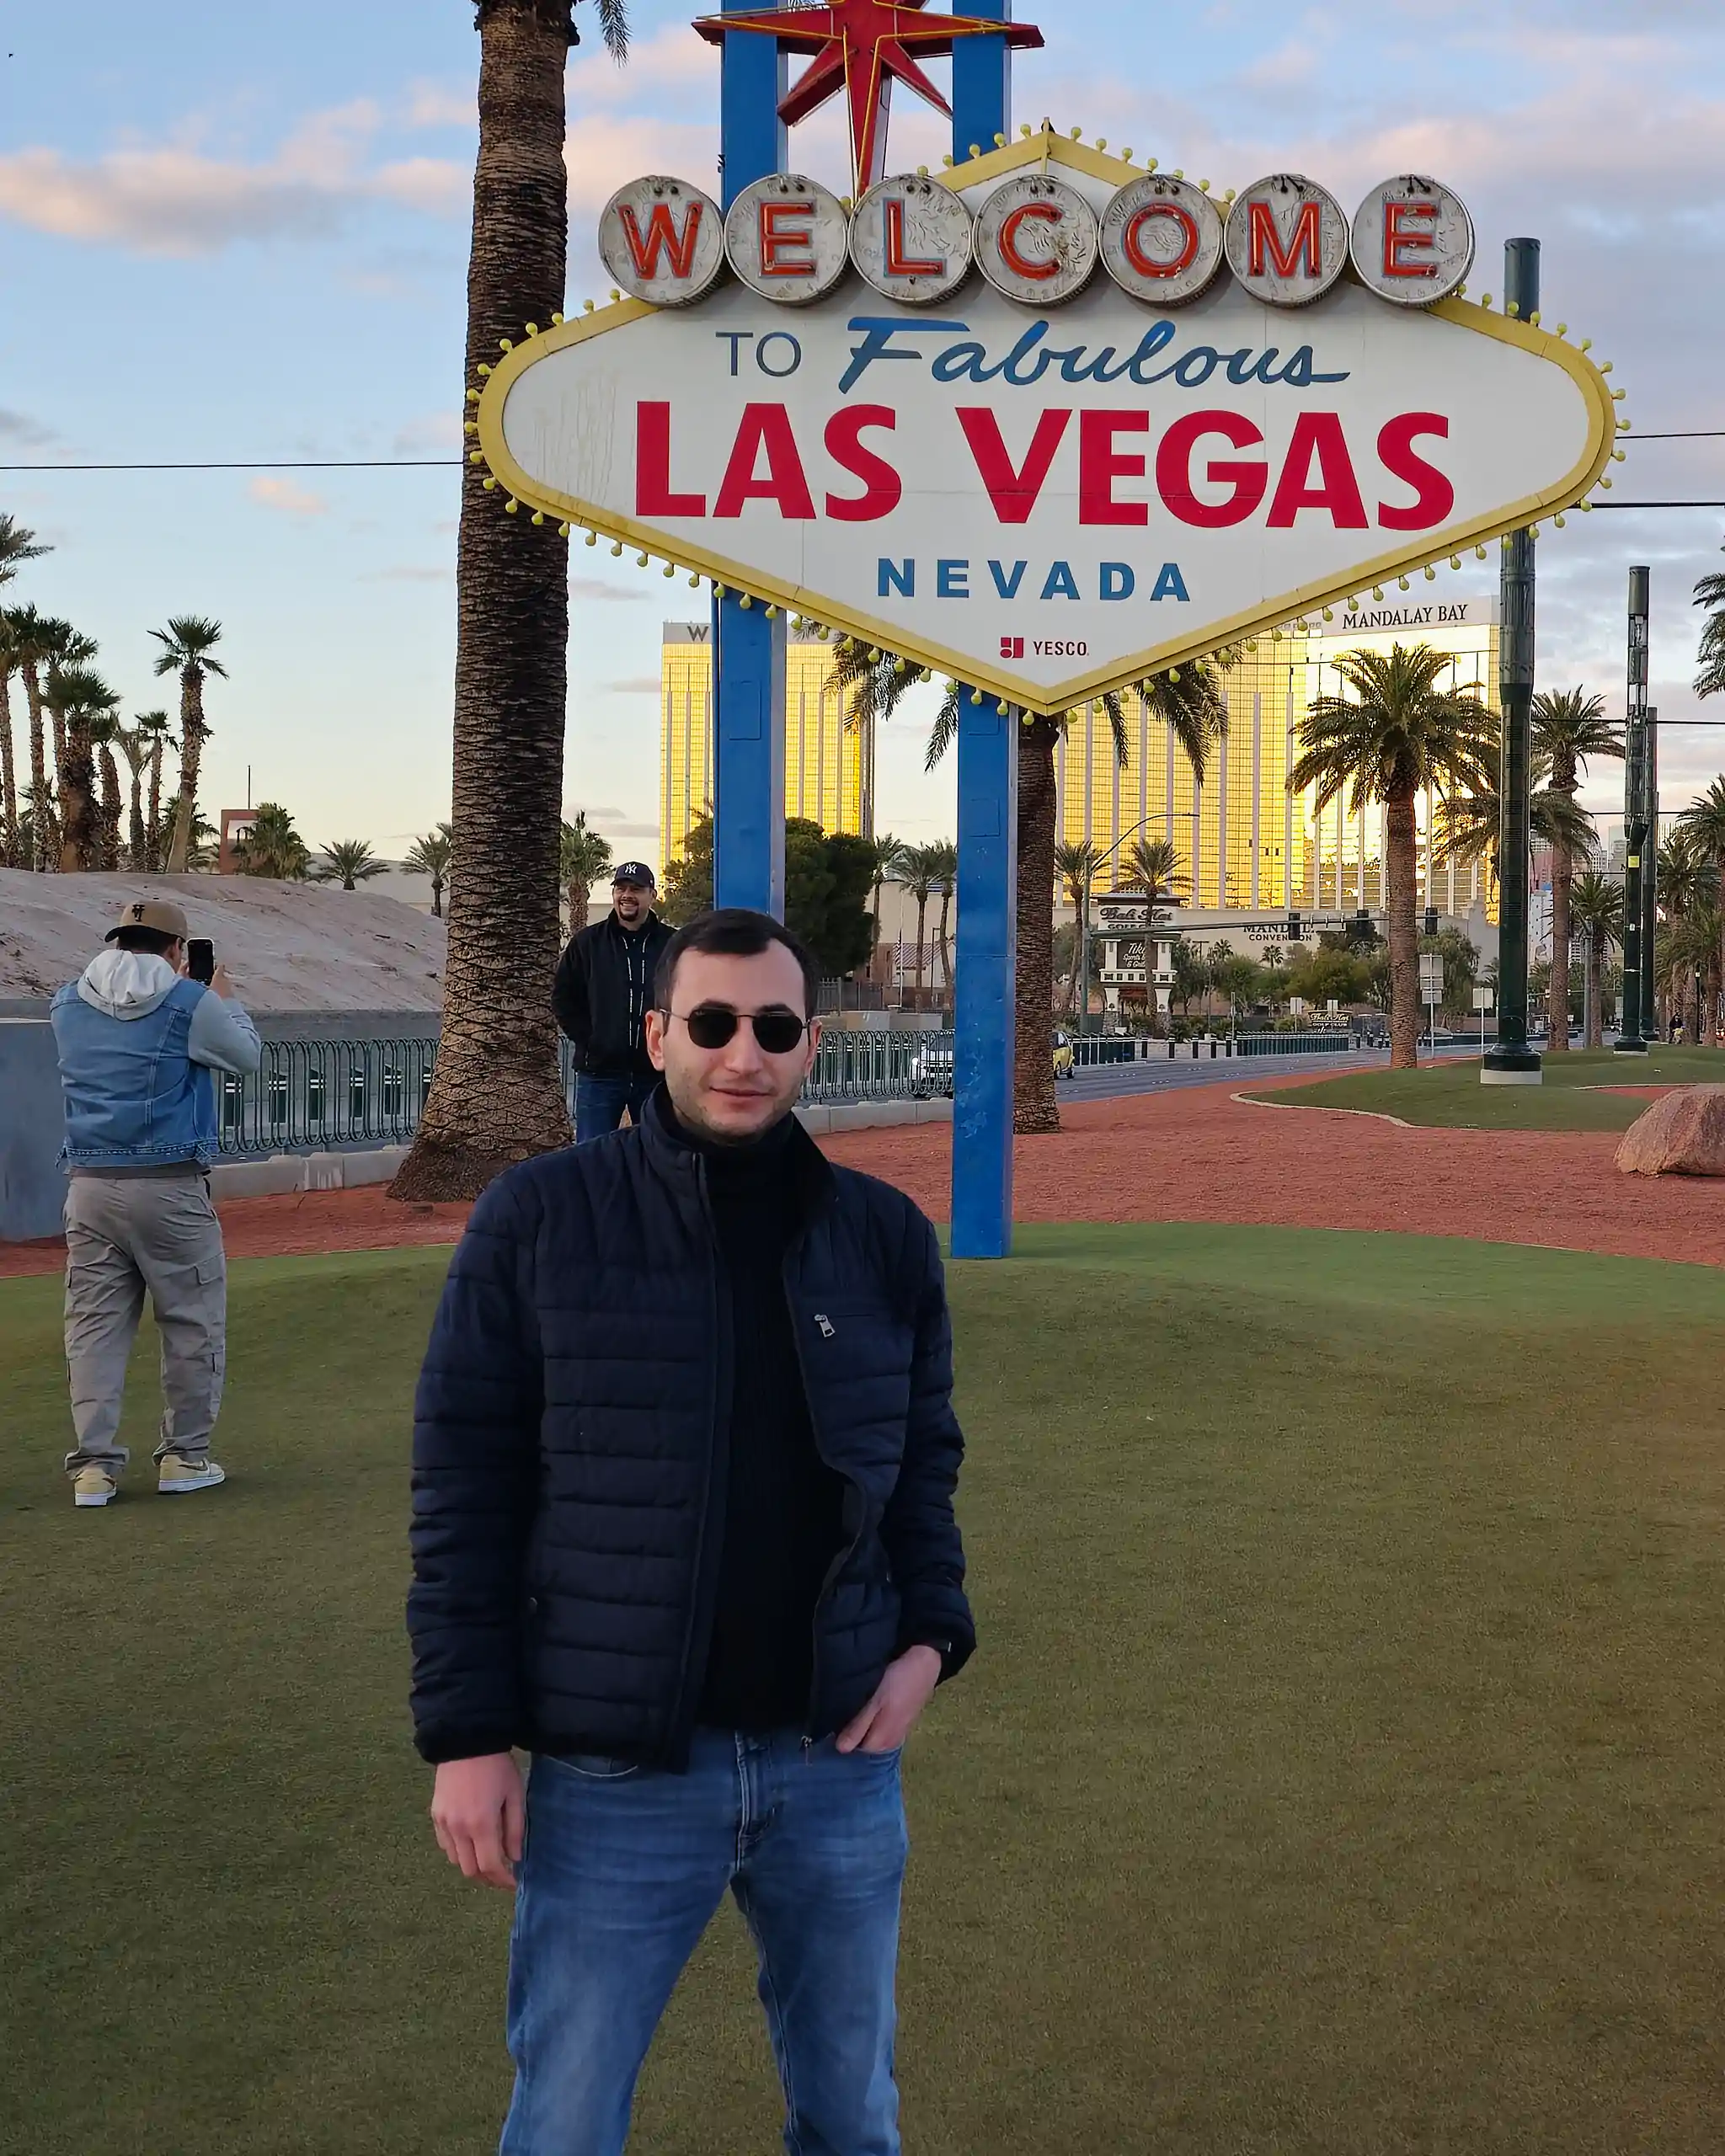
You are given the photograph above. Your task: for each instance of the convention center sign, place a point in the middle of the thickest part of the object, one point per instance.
(1047, 422)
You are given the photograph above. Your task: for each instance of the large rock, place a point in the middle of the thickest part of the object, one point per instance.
(1684, 1134)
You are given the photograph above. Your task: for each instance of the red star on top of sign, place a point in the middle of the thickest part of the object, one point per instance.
(860, 46)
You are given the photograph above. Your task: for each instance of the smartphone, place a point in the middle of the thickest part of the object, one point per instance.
(200, 959)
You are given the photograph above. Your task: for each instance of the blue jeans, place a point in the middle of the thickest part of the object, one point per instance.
(600, 1103)
(625, 1868)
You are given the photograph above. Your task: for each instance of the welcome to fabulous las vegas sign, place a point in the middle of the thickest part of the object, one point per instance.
(1047, 422)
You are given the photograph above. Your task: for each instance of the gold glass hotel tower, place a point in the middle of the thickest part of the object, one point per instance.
(1245, 843)
(829, 766)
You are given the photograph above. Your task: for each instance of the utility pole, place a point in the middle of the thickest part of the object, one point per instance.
(1639, 842)
(1512, 1062)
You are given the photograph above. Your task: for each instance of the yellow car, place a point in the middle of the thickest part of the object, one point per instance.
(1065, 1061)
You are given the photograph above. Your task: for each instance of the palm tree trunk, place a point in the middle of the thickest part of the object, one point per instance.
(944, 943)
(496, 1096)
(152, 833)
(43, 844)
(1037, 1109)
(922, 929)
(191, 756)
(8, 778)
(580, 905)
(1595, 1036)
(80, 828)
(138, 844)
(437, 898)
(1557, 996)
(1404, 942)
(108, 842)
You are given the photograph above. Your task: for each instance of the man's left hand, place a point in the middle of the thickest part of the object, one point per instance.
(898, 1700)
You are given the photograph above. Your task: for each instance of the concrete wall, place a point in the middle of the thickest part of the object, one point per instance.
(32, 1126)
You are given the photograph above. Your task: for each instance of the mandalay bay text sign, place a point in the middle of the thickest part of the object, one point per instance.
(1047, 501)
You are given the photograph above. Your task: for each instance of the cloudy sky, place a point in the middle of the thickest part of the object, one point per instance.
(237, 232)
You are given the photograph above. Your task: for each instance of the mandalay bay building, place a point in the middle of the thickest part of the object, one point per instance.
(1246, 844)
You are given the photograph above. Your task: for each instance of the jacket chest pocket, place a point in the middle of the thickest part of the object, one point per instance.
(846, 1340)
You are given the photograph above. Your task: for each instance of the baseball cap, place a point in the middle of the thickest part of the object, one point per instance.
(635, 871)
(161, 915)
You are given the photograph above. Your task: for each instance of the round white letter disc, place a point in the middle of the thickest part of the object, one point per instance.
(663, 241)
(787, 238)
(1287, 240)
(1412, 240)
(913, 240)
(1161, 240)
(1037, 240)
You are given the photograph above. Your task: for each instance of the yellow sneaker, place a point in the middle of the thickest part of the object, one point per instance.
(94, 1485)
(178, 1474)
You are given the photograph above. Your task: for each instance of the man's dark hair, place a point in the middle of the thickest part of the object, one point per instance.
(151, 941)
(734, 933)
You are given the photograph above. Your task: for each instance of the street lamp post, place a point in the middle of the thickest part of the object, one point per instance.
(1639, 840)
(1513, 1062)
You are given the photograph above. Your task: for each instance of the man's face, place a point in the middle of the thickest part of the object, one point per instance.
(634, 903)
(737, 1093)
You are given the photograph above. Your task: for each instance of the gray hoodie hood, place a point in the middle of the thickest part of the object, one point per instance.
(127, 983)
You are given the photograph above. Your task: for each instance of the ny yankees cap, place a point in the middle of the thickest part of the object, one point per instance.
(160, 914)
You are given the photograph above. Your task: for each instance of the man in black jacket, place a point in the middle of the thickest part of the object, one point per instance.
(604, 985)
(684, 1461)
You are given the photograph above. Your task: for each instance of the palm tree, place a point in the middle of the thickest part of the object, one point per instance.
(14, 851)
(37, 641)
(1153, 866)
(1596, 908)
(888, 861)
(135, 747)
(946, 869)
(1187, 699)
(348, 863)
(79, 699)
(583, 857)
(1396, 735)
(1075, 865)
(187, 643)
(1685, 969)
(1710, 592)
(1471, 817)
(1568, 726)
(1704, 820)
(495, 1097)
(156, 729)
(104, 733)
(17, 544)
(920, 876)
(431, 856)
(272, 846)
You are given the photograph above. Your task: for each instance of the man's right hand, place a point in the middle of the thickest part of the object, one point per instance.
(479, 1810)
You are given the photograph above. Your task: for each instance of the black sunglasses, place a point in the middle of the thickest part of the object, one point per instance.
(712, 1025)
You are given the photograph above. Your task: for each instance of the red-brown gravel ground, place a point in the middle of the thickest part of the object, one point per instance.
(1194, 1155)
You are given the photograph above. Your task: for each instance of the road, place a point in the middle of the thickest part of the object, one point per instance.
(1109, 1081)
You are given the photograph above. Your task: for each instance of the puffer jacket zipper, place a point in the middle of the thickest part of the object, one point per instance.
(851, 1485)
(704, 1592)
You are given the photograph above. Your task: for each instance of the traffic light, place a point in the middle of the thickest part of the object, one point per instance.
(1431, 920)
(1295, 931)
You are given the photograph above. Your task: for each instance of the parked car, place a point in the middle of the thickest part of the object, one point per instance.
(1066, 1056)
(932, 1070)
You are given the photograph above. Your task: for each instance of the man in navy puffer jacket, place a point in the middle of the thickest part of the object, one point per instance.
(684, 1463)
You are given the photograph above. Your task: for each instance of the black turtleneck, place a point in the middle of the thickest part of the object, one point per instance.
(783, 1509)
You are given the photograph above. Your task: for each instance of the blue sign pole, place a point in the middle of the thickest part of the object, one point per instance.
(748, 649)
(988, 818)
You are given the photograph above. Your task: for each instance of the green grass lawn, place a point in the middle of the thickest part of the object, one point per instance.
(1450, 1095)
(1343, 1772)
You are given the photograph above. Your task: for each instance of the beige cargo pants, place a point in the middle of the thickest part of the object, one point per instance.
(124, 1235)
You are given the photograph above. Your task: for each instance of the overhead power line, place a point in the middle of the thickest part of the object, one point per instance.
(254, 464)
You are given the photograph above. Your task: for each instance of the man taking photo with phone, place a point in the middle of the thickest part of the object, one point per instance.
(684, 1463)
(139, 1045)
(604, 985)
